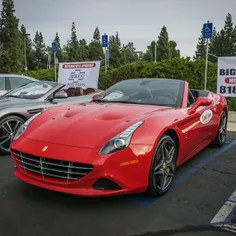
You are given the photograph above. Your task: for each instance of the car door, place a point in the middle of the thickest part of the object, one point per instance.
(3, 89)
(15, 82)
(196, 127)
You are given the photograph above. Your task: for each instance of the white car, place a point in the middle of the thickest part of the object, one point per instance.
(11, 81)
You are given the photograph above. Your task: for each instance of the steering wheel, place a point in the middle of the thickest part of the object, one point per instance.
(172, 97)
(167, 95)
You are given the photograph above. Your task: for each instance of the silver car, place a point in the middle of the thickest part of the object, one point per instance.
(20, 104)
(11, 81)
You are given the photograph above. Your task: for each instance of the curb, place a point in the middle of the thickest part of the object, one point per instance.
(232, 116)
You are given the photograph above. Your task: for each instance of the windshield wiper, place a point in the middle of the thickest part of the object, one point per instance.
(127, 102)
(110, 101)
(13, 96)
(100, 100)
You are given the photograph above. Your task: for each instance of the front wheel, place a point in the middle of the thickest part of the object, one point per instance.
(222, 131)
(8, 128)
(163, 167)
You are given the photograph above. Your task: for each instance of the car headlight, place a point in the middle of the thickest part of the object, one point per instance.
(121, 141)
(23, 128)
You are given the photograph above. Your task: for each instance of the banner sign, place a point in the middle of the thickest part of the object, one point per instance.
(226, 81)
(79, 74)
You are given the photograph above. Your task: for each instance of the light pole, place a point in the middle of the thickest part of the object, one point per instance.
(155, 53)
(25, 35)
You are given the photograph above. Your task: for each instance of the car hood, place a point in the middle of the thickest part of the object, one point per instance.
(87, 125)
(6, 102)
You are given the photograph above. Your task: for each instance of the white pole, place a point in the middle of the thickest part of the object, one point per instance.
(155, 53)
(55, 67)
(108, 56)
(25, 54)
(105, 60)
(206, 66)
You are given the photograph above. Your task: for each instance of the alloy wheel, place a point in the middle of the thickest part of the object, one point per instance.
(223, 128)
(7, 130)
(164, 168)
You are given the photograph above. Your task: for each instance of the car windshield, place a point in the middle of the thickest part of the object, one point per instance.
(31, 90)
(159, 92)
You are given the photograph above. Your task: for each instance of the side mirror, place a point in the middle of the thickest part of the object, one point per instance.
(60, 94)
(200, 101)
(95, 96)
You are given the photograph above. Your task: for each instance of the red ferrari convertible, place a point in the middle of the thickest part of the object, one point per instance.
(129, 139)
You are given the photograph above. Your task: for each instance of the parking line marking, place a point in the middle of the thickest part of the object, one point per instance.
(146, 200)
(223, 218)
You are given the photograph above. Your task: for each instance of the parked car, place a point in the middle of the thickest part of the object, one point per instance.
(131, 138)
(20, 104)
(11, 81)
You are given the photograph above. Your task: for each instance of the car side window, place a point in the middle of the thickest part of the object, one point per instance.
(2, 83)
(17, 82)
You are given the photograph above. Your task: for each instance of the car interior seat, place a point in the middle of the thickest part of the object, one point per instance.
(88, 91)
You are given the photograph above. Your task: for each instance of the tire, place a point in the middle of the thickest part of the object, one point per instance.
(8, 127)
(161, 167)
(222, 131)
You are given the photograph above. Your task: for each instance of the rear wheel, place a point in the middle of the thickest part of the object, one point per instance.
(163, 167)
(222, 131)
(8, 128)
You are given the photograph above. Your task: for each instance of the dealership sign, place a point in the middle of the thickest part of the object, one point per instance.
(79, 74)
(226, 81)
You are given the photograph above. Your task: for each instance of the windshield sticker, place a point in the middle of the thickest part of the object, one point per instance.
(114, 95)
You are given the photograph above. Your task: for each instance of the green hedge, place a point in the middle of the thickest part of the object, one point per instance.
(42, 74)
(177, 68)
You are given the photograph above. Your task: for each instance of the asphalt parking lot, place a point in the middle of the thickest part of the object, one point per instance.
(202, 187)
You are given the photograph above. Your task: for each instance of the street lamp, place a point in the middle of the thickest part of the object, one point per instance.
(25, 35)
(213, 55)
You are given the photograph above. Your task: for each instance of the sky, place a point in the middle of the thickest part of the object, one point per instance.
(138, 21)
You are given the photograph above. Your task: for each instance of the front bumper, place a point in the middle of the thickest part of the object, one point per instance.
(124, 172)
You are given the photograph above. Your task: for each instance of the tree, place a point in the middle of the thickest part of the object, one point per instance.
(173, 52)
(30, 56)
(215, 45)
(59, 52)
(95, 47)
(163, 45)
(2, 51)
(13, 58)
(65, 50)
(149, 55)
(201, 48)
(229, 40)
(128, 53)
(40, 51)
(223, 43)
(96, 35)
(165, 49)
(73, 45)
(115, 50)
(83, 50)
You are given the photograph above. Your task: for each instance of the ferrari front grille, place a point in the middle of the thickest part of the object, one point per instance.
(63, 170)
